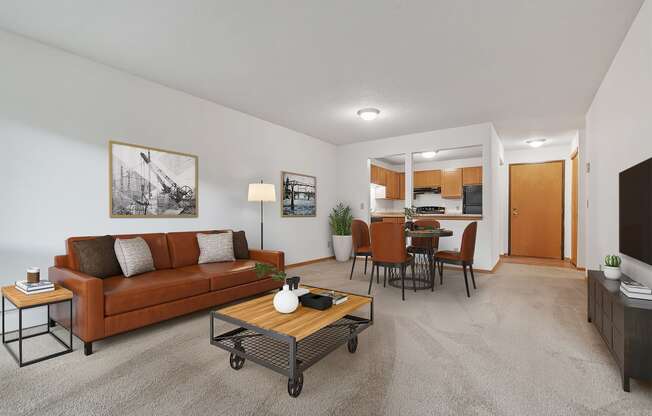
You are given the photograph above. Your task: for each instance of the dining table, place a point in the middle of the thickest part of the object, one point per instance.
(424, 259)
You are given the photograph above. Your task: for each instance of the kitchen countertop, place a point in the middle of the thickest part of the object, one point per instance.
(390, 214)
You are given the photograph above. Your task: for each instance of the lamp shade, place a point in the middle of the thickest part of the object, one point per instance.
(261, 192)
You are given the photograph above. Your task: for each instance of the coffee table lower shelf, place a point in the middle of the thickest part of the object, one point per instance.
(283, 353)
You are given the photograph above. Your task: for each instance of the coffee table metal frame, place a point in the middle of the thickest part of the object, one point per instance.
(283, 353)
(19, 357)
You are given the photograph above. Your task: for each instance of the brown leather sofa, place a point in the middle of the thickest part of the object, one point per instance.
(178, 286)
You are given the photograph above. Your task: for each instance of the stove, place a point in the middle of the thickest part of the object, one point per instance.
(431, 210)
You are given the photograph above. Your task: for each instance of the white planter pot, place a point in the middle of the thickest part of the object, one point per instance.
(286, 301)
(343, 246)
(611, 273)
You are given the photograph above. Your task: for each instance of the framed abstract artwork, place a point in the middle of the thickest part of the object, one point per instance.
(299, 195)
(145, 182)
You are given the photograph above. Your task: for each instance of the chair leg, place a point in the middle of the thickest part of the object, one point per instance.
(414, 280)
(466, 281)
(353, 266)
(365, 264)
(432, 269)
(384, 276)
(472, 276)
(441, 272)
(371, 279)
(402, 282)
(378, 275)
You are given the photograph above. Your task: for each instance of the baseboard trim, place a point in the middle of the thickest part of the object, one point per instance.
(459, 269)
(305, 263)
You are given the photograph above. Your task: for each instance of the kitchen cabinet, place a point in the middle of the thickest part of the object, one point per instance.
(401, 185)
(472, 176)
(427, 178)
(451, 183)
(392, 179)
(378, 175)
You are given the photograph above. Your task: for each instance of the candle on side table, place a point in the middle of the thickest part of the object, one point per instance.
(33, 275)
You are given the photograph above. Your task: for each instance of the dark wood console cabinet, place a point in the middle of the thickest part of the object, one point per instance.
(624, 324)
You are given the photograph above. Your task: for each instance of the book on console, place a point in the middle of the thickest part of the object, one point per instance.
(634, 295)
(634, 286)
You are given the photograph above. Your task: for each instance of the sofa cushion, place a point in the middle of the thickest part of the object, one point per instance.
(96, 257)
(158, 245)
(123, 294)
(240, 245)
(134, 256)
(215, 247)
(227, 274)
(184, 249)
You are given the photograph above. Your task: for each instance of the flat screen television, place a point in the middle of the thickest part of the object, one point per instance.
(635, 204)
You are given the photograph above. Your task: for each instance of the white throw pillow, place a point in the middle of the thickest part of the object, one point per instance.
(215, 247)
(134, 256)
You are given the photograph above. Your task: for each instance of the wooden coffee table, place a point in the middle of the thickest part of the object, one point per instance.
(22, 302)
(289, 343)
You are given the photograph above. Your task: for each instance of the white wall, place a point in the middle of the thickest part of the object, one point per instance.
(57, 113)
(542, 154)
(451, 205)
(353, 178)
(619, 135)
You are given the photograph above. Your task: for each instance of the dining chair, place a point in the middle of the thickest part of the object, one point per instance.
(361, 243)
(463, 258)
(388, 250)
(425, 246)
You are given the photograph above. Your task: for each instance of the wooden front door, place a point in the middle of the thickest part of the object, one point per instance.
(574, 208)
(536, 209)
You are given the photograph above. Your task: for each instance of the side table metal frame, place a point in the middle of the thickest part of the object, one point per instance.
(19, 357)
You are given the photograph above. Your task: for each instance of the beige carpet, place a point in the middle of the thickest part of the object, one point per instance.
(520, 346)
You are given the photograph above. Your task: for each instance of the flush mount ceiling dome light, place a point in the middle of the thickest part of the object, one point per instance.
(368, 114)
(536, 142)
(429, 155)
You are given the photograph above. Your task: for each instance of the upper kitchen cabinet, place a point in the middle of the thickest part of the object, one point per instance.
(392, 180)
(451, 183)
(472, 176)
(387, 179)
(427, 178)
(378, 175)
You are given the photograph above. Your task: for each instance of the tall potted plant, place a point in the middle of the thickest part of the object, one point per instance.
(340, 221)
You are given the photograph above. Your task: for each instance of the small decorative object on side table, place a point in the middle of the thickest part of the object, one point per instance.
(23, 302)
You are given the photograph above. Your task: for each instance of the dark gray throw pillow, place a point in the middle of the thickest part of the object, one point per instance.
(96, 257)
(240, 246)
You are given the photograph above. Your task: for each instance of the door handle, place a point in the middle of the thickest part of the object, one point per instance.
(514, 211)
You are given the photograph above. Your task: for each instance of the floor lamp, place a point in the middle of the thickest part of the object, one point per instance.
(261, 192)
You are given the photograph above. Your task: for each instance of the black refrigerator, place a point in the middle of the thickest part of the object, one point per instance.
(472, 203)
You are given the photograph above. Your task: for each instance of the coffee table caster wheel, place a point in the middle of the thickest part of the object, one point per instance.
(352, 344)
(295, 386)
(236, 361)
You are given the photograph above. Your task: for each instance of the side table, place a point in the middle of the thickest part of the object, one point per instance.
(23, 302)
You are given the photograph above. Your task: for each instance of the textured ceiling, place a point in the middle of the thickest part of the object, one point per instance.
(532, 67)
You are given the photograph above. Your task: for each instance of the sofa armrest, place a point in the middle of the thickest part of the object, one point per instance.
(275, 258)
(88, 303)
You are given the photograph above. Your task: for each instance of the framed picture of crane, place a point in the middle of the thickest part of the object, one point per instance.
(145, 182)
(299, 195)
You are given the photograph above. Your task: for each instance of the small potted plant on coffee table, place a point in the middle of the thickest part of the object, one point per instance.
(611, 267)
(340, 221)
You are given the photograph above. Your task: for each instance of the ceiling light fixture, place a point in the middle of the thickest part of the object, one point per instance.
(536, 142)
(429, 155)
(368, 114)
